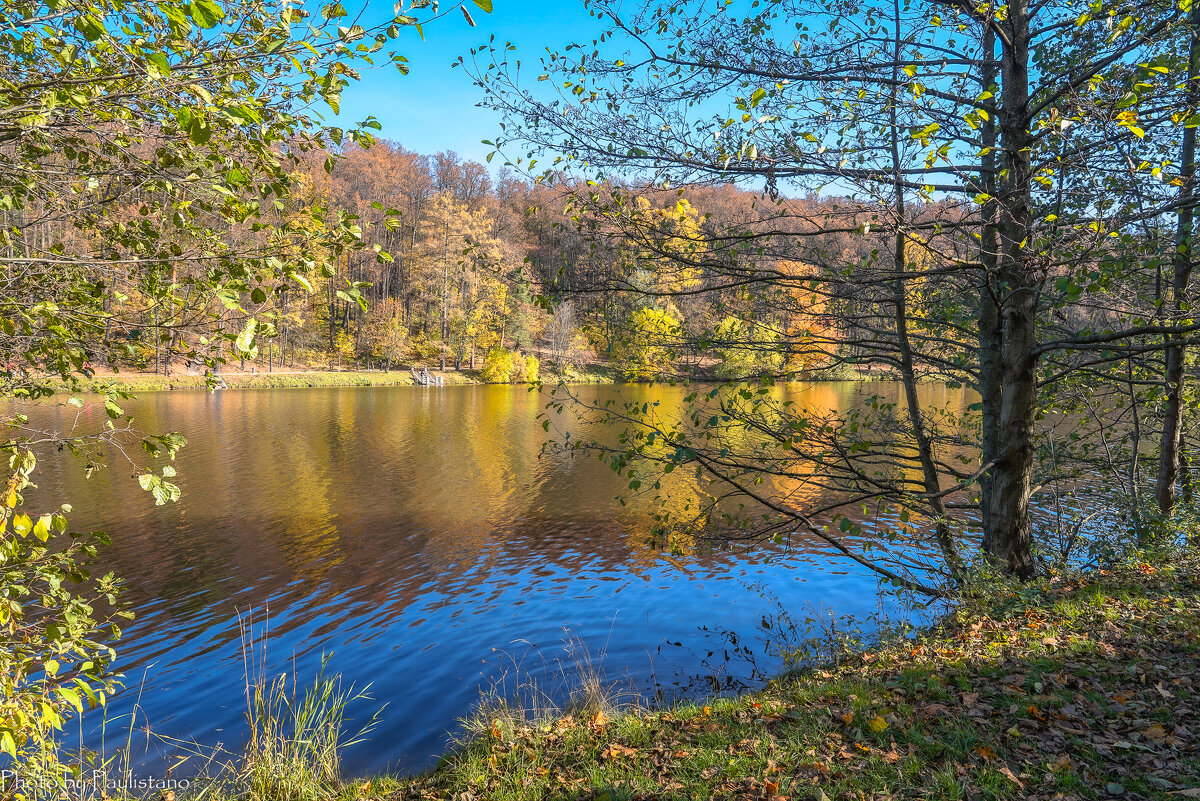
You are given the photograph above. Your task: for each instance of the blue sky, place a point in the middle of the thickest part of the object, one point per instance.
(433, 108)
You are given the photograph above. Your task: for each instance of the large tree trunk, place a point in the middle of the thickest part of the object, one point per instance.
(989, 311)
(1168, 459)
(1008, 540)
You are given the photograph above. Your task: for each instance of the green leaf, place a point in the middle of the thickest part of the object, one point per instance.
(7, 744)
(71, 697)
(244, 344)
(157, 65)
(486, 5)
(205, 13)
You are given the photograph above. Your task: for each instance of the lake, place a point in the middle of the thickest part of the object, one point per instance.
(420, 540)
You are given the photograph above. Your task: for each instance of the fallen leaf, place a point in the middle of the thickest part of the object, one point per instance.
(932, 710)
(616, 751)
(1008, 774)
(877, 724)
(1155, 732)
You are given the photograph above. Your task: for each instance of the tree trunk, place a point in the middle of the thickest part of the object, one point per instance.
(989, 311)
(1008, 540)
(1173, 379)
(445, 297)
(1185, 476)
(933, 498)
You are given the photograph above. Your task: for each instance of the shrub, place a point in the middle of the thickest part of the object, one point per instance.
(498, 366)
(55, 619)
(532, 368)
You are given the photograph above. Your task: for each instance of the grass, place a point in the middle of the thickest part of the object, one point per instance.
(296, 739)
(296, 735)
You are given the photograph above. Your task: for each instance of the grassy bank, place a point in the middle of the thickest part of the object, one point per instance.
(1071, 689)
(150, 382)
(134, 382)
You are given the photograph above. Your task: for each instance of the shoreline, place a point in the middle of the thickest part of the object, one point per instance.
(1044, 692)
(137, 383)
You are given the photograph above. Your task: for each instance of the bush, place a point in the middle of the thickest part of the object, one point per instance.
(498, 366)
(532, 369)
(55, 620)
(504, 367)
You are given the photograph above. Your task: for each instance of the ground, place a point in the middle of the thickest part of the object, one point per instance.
(1071, 688)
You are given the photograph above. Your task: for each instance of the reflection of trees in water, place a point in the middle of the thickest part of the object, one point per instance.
(800, 483)
(350, 504)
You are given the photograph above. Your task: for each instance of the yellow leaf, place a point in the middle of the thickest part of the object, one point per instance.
(877, 724)
(1155, 732)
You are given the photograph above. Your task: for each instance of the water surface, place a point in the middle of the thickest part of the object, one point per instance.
(421, 540)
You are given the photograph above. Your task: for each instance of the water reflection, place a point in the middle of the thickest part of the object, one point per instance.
(419, 535)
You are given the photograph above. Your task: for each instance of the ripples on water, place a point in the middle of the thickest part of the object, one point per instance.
(418, 536)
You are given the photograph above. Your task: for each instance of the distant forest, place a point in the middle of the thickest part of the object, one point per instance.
(461, 265)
